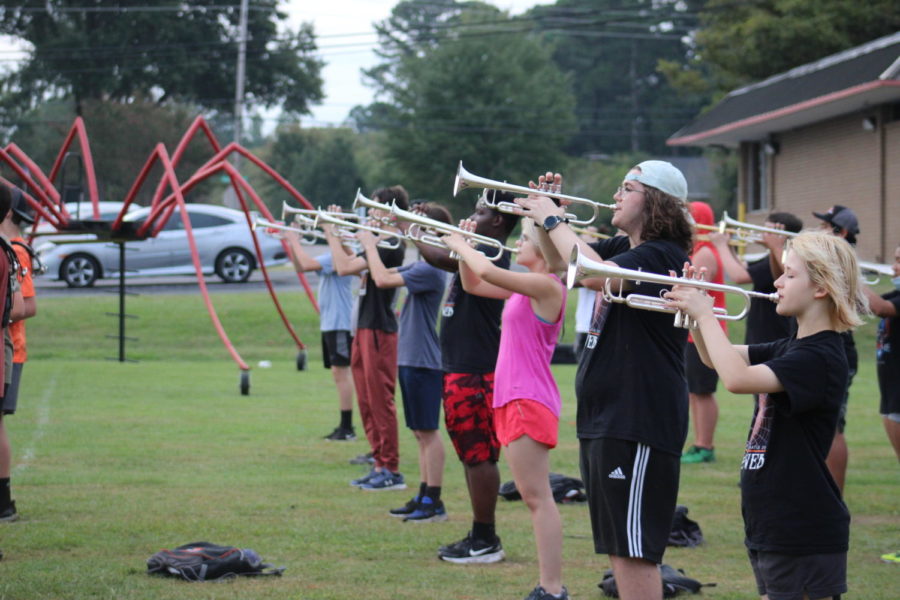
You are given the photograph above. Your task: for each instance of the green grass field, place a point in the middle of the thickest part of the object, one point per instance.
(114, 461)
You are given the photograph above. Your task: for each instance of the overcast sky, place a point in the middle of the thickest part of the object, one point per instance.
(346, 41)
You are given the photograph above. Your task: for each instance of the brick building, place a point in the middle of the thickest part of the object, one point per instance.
(824, 133)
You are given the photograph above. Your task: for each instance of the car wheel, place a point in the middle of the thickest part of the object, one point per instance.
(80, 270)
(234, 265)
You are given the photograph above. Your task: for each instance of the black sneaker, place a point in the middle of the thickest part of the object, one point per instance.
(9, 514)
(428, 512)
(469, 550)
(405, 510)
(539, 593)
(341, 435)
(363, 459)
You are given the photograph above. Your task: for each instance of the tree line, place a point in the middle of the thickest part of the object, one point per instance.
(579, 86)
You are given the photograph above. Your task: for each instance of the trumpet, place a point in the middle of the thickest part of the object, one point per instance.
(361, 202)
(873, 272)
(390, 240)
(582, 267)
(464, 180)
(286, 210)
(308, 236)
(429, 231)
(747, 232)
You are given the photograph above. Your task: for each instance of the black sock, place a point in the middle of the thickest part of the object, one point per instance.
(422, 489)
(5, 497)
(346, 419)
(484, 531)
(433, 492)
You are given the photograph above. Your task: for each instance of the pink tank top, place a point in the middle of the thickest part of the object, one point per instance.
(526, 347)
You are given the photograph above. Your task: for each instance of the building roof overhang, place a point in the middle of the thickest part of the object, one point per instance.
(760, 127)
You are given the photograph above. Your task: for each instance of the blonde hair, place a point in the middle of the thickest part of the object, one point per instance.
(831, 265)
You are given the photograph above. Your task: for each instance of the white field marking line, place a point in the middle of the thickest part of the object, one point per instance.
(43, 419)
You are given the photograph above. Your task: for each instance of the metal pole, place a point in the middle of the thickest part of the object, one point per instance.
(239, 83)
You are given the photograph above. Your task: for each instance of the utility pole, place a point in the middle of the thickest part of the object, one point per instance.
(239, 83)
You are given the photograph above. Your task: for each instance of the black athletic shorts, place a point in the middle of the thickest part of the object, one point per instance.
(631, 490)
(336, 348)
(789, 577)
(10, 400)
(701, 379)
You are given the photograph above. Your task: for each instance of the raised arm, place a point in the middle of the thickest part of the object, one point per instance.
(301, 260)
(879, 306)
(381, 275)
(734, 268)
(732, 363)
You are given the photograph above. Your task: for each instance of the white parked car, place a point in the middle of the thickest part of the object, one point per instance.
(223, 239)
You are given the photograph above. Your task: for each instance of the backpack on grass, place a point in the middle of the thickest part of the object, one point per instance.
(674, 582)
(202, 561)
(565, 489)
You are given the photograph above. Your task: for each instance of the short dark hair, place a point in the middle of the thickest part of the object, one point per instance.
(437, 212)
(665, 218)
(396, 193)
(5, 200)
(791, 222)
(509, 220)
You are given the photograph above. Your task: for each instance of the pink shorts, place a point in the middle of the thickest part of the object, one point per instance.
(526, 417)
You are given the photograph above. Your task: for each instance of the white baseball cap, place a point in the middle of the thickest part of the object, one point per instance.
(662, 175)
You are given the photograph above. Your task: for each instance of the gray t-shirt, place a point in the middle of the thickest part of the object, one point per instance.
(418, 344)
(335, 296)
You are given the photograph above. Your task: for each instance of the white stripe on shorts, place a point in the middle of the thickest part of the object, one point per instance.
(635, 499)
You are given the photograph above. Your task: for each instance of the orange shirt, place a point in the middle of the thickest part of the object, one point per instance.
(17, 329)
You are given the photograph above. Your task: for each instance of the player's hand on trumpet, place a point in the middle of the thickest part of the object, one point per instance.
(367, 239)
(538, 206)
(692, 301)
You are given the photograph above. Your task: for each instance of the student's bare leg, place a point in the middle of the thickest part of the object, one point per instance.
(892, 428)
(705, 417)
(483, 481)
(837, 460)
(343, 380)
(529, 462)
(5, 451)
(636, 578)
(431, 457)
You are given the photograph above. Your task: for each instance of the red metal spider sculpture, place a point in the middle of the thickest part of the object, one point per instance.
(42, 196)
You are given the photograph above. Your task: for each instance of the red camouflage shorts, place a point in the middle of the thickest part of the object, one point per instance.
(468, 413)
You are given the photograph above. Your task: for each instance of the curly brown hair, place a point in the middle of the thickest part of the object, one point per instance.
(665, 218)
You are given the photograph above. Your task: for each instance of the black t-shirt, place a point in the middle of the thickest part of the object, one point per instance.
(887, 354)
(470, 327)
(630, 383)
(376, 304)
(764, 324)
(789, 500)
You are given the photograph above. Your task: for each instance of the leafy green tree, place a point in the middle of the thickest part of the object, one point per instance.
(612, 49)
(320, 163)
(169, 50)
(461, 81)
(749, 41)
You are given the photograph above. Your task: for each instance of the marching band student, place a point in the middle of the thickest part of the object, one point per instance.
(764, 324)
(470, 339)
(630, 386)
(842, 222)
(702, 381)
(887, 354)
(797, 526)
(336, 307)
(7, 406)
(419, 360)
(373, 359)
(526, 400)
